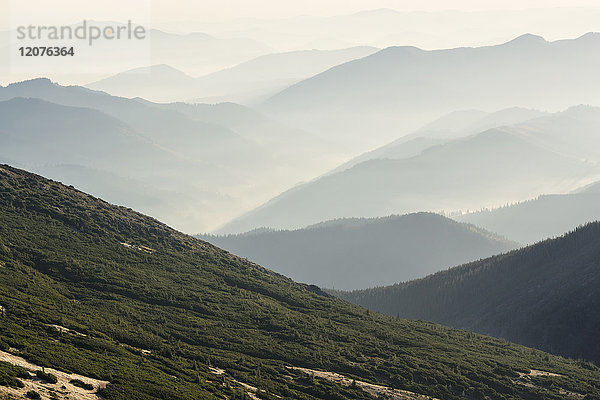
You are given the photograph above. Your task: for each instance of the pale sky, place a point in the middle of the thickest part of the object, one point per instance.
(229, 9)
(247, 19)
(165, 11)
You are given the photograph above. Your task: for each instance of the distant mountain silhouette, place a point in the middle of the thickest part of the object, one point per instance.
(493, 167)
(591, 188)
(196, 53)
(200, 53)
(455, 125)
(190, 157)
(433, 29)
(164, 127)
(395, 90)
(280, 139)
(157, 82)
(72, 134)
(248, 82)
(360, 253)
(546, 216)
(85, 147)
(573, 132)
(544, 296)
(256, 80)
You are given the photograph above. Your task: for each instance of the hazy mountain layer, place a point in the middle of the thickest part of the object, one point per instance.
(155, 83)
(249, 82)
(431, 29)
(196, 53)
(360, 253)
(494, 167)
(289, 145)
(538, 219)
(208, 163)
(455, 125)
(167, 128)
(256, 80)
(37, 131)
(101, 154)
(398, 89)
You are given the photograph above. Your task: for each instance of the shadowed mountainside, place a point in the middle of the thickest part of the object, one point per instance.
(359, 253)
(545, 296)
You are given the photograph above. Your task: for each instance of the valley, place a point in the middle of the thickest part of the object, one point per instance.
(301, 200)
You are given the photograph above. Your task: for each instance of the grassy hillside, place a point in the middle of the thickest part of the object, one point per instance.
(163, 313)
(545, 296)
(358, 253)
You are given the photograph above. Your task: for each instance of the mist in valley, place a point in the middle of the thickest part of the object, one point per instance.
(300, 200)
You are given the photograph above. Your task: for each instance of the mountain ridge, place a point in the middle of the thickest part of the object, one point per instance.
(543, 295)
(442, 177)
(248, 82)
(208, 147)
(544, 217)
(358, 253)
(401, 88)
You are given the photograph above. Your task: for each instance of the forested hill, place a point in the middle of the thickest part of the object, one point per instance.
(545, 296)
(161, 315)
(357, 253)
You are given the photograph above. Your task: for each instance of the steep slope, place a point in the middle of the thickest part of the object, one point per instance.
(494, 167)
(398, 89)
(538, 219)
(359, 253)
(159, 314)
(545, 296)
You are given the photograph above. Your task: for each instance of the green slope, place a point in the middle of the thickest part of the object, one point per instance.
(193, 307)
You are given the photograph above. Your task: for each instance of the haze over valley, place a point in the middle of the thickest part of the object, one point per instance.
(300, 200)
